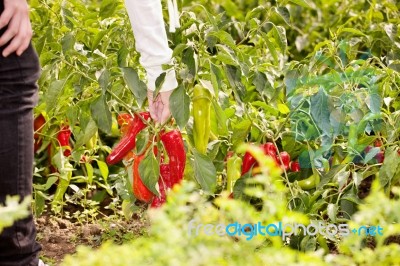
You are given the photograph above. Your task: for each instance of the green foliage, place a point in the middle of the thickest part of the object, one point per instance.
(320, 79)
(171, 241)
(13, 210)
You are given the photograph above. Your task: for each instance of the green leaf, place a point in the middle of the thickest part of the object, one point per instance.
(104, 80)
(101, 114)
(88, 132)
(53, 94)
(122, 60)
(179, 103)
(284, 14)
(103, 169)
(302, 3)
(389, 167)
(320, 112)
(255, 12)
(89, 171)
(108, 8)
(332, 212)
(67, 42)
(262, 85)
(240, 132)
(204, 172)
(159, 83)
(283, 108)
(225, 38)
(350, 30)
(234, 77)
(149, 171)
(189, 60)
(371, 154)
(137, 87)
(216, 77)
(221, 119)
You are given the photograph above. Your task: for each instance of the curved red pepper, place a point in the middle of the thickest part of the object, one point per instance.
(128, 141)
(248, 162)
(173, 144)
(63, 138)
(140, 190)
(163, 184)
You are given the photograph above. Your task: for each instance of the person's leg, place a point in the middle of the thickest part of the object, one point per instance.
(18, 96)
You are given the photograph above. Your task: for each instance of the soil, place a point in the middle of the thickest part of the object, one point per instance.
(60, 237)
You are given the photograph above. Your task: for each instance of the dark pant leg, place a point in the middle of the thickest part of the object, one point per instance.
(18, 96)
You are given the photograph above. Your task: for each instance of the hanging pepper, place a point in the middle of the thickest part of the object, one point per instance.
(163, 184)
(248, 162)
(63, 138)
(128, 141)
(173, 144)
(234, 164)
(201, 118)
(140, 190)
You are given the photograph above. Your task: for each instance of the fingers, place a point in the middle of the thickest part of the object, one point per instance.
(159, 107)
(6, 17)
(165, 112)
(19, 31)
(152, 108)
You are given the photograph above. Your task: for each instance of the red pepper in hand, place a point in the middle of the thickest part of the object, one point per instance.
(163, 184)
(173, 144)
(128, 141)
(140, 190)
(63, 138)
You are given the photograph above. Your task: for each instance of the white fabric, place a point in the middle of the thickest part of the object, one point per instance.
(151, 40)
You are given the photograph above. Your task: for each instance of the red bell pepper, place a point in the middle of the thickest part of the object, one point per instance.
(248, 162)
(295, 166)
(285, 159)
(63, 138)
(163, 184)
(173, 144)
(128, 141)
(270, 149)
(140, 190)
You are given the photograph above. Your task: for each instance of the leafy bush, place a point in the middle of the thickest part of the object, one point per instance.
(170, 243)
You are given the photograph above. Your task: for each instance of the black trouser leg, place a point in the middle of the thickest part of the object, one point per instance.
(18, 96)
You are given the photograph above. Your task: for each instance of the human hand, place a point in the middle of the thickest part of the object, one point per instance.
(159, 107)
(19, 31)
